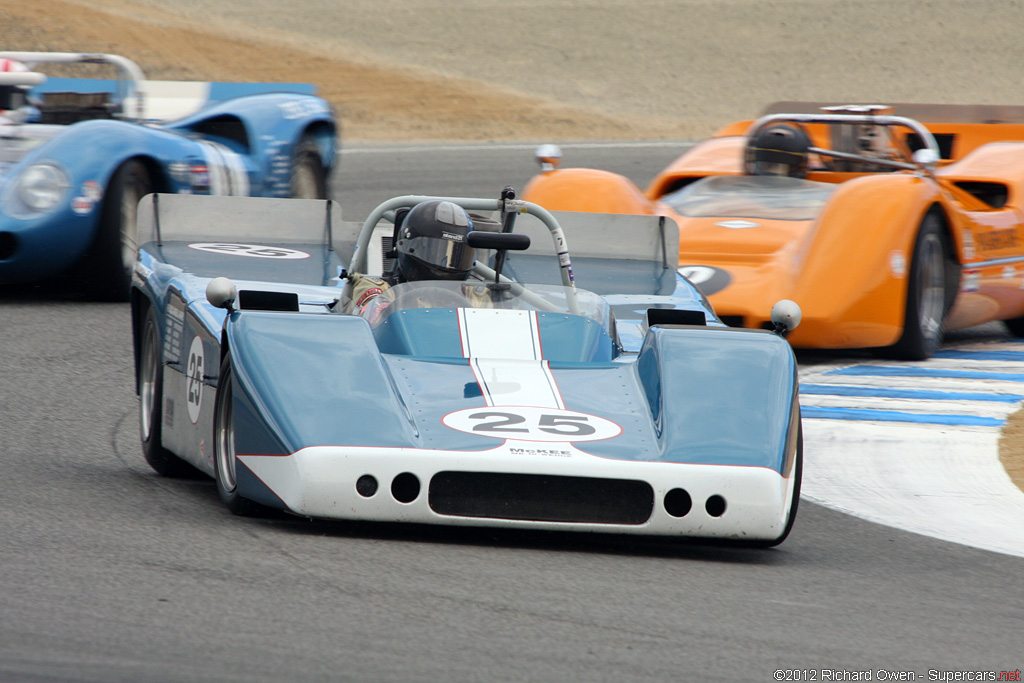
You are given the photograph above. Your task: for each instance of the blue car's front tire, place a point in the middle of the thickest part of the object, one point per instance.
(309, 175)
(107, 267)
(225, 462)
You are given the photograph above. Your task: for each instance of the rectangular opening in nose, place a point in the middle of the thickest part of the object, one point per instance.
(541, 497)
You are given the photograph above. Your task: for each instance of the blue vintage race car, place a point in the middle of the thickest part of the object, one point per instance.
(587, 390)
(77, 154)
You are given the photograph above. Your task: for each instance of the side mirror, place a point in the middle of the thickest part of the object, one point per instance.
(222, 293)
(548, 156)
(927, 158)
(786, 316)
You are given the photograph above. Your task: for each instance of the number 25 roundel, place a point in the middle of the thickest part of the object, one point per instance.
(527, 423)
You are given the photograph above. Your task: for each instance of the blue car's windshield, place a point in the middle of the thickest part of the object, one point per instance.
(765, 197)
(477, 294)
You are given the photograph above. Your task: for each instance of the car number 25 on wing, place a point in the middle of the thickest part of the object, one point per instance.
(527, 423)
(253, 250)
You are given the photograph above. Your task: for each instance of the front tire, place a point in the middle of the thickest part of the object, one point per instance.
(1015, 326)
(225, 462)
(929, 295)
(150, 385)
(798, 476)
(309, 175)
(107, 268)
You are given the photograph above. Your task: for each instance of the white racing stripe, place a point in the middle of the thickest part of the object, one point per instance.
(227, 170)
(517, 383)
(497, 333)
(505, 354)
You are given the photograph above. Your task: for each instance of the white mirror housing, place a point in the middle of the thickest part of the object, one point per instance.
(926, 157)
(222, 293)
(786, 316)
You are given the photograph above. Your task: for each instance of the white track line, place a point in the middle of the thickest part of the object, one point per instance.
(941, 480)
(425, 148)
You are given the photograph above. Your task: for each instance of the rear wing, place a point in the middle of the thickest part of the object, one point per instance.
(209, 218)
(611, 236)
(166, 220)
(925, 113)
(131, 95)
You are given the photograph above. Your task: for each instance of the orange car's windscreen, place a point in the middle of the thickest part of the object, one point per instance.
(765, 197)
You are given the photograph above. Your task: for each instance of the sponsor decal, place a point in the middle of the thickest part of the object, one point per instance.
(897, 263)
(82, 205)
(1009, 272)
(298, 109)
(738, 224)
(200, 176)
(454, 237)
(175, 330)
(531, 423)
(194, 383)
(971, 281)
(968, 245)
(707, 278)
(546, 452)
(998, 240)
(253, 250)
(92, 190)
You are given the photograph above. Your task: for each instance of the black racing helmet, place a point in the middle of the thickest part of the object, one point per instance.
(432, 242)
(778, 150)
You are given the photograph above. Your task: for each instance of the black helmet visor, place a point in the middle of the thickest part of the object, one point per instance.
(449, 251)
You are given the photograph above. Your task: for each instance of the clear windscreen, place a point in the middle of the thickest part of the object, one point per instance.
(478, 294)
(764, 197)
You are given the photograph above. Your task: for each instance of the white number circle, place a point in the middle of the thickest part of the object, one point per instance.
(194, 379)
(529, 423)
(697, 274)
(253, 250)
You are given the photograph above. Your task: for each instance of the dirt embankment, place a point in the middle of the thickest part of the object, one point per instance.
(374, 102)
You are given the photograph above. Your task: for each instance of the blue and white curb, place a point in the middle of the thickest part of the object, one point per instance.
(916, 445)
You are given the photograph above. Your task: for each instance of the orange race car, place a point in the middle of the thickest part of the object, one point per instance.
(886, 224)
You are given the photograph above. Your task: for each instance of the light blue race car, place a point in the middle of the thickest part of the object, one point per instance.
(572, 381)
(77, 154)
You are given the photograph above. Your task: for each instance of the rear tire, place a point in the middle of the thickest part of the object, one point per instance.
(309, 175)
(150, 385)
(931, 287)
(225, 462)
(107, 269)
